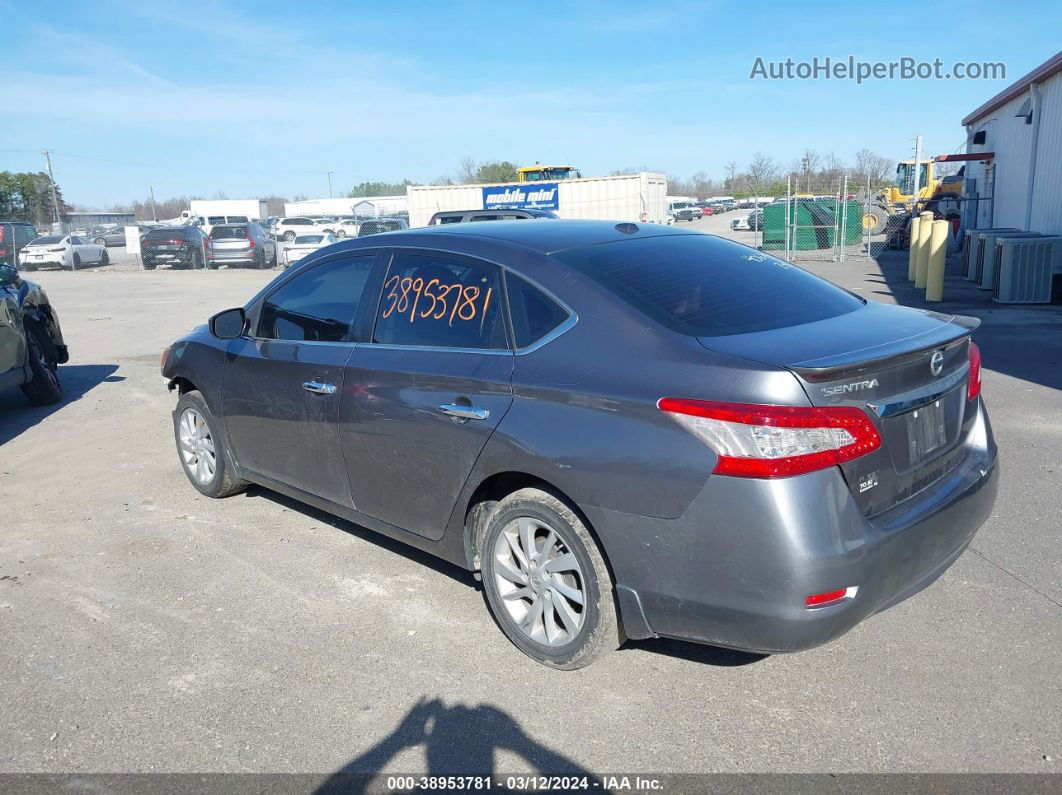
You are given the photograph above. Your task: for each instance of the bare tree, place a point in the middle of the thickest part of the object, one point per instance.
(466, 171)
(878, 169)
(731, 173)
(761, 170)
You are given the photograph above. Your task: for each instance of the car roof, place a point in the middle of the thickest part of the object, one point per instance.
(546, 235)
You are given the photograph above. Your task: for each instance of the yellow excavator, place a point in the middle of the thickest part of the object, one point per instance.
(899, 197)
(540, 173)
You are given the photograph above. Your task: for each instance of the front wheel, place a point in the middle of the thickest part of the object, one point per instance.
(76, 262)
(340, 234)
(200, 449)
(546, 582)
(99, 241)
(105, 258)
(875, 219)
(289, 236)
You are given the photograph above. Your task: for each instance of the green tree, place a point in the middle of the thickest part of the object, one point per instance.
(380, 189)
(495, 171)
(27, 196)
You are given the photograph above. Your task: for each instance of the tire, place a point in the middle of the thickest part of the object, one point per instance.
(105, 258)
(875, 218)
(199, 446)
(99, 241)
(273, 261)
(581, 634)
(27, 267)
(289, 236)
(45, 387)
(341, 234)
(149, 266)
(77, 262)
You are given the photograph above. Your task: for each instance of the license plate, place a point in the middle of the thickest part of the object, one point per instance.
(926, 430)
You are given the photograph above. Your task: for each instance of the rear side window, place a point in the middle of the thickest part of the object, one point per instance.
(318, 305)
(449, 219)
(534, 314)
(704, 286)
(440, 302)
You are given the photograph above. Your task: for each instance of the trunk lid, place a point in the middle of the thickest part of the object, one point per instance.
(907, 369)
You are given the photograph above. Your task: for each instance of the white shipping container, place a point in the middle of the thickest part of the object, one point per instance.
(633, 197)
(254, 209)
(347, 205)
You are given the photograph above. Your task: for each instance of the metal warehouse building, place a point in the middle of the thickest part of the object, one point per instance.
(1022, 125)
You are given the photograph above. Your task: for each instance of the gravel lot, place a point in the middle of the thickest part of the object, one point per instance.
(146, 628)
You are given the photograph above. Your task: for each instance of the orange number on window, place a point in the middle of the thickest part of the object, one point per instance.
(393, 282)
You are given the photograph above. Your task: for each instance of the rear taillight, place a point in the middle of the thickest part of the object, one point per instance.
(1, 233)
(755, 441)
(973, 386)
(250, 240)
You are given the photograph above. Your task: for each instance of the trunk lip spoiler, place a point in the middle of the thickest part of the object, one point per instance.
(951, 333)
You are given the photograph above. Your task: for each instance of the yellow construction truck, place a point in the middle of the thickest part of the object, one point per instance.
(899, 197)
(540, 173)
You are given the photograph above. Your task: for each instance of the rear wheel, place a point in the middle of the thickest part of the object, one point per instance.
(289, 236)
(149, 266)
(45, 387)
(200, 449)
(340, 234)
(76, 262)
(99, 241)
(105, 258)
(546, 582)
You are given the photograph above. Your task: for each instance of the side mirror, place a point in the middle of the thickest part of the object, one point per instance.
(8, 275)
(230, 324)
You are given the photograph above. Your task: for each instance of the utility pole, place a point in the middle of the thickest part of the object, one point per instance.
(154, 209)
(55, 195)
(917, 171)
(330, 173)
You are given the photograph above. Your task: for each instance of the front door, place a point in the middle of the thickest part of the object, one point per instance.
(284, 382)
(423, 397)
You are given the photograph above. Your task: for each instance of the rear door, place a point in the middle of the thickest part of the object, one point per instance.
(284, 383)
(426, 391)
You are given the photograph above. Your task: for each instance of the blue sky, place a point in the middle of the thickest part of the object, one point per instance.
(251, 99)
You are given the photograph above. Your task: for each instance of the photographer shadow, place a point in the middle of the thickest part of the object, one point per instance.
(457, 740)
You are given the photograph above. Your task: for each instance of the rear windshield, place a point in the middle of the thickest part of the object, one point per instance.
(229, 233)
(44, 241)
(705, 286)
(165, 234)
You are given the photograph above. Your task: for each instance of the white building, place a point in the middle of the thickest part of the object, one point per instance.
(358, 205)
(1022, 125)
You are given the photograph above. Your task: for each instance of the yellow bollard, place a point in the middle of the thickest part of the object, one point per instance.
(912, 260)
(922, 266)
(938, 247)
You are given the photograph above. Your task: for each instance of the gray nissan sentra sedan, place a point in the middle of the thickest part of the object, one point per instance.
(626, 430)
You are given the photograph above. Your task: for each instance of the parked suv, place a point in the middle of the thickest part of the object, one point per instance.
(464, 216)
(14, 236)
(176, 246)
(684, 211)
(241, 244)
(628, 430)
(289, 228)
(374, 226)
(31, 342)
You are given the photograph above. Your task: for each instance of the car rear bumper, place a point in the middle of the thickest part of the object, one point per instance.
(242, 258)
(736, 568)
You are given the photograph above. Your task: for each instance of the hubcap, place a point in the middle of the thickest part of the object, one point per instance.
(540, 582)
(197, 446)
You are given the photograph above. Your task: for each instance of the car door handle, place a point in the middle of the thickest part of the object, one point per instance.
(317, 388)
(464, 412)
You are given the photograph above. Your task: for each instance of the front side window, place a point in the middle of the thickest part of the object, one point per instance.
(318, 305)
(440, 302)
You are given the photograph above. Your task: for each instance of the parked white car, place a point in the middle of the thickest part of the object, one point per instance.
(288, 229)
(306, 244)
(67, 251)
(347, 228)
